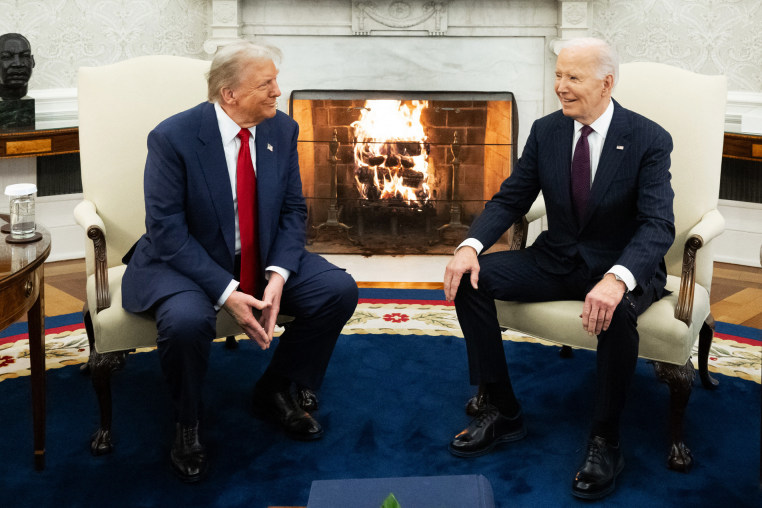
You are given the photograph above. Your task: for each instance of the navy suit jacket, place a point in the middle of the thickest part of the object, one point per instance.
(629, 219)
(189, 242)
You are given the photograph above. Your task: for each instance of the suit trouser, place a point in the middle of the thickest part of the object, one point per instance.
(186, 323)
(516, 276)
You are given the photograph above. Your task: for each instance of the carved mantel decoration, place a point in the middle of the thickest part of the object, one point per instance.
(233, 19)
(379, 17)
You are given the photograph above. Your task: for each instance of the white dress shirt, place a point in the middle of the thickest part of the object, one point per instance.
(231, 144)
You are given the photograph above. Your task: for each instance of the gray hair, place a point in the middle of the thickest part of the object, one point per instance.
(608, 59)
(229, 62)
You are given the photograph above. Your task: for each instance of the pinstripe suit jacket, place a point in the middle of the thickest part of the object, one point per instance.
(629, 219)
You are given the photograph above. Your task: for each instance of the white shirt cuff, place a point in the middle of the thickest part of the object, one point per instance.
(232, 286)
(472, 242)
(277, 269)
(625, 275)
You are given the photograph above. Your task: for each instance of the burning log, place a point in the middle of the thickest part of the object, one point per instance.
(411, 178)
(407, 162)
(376, 160)
(364, 175)
(392, 161)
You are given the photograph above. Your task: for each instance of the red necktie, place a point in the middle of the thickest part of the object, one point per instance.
(246, 191)
(580, 173)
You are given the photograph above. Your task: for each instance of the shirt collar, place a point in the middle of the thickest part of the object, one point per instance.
(228, 128)
(602, 123)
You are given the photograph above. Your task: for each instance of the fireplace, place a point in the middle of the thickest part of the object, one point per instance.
(400, 172)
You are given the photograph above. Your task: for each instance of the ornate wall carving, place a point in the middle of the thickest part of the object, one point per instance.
(706, 36)
(412, 15)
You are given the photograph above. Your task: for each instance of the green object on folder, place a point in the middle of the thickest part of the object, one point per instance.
(391, 502)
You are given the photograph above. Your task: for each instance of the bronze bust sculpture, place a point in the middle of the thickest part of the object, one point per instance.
(16, 64)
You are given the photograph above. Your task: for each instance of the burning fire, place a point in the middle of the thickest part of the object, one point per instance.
(391, 152)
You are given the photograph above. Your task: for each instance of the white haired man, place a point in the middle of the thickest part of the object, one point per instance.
(604, 175)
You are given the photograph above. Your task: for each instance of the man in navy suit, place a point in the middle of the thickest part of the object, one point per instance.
(187, 265)
(604, 245)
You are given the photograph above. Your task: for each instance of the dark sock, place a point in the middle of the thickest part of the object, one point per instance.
(273, 382)
(606, 430)
(502, 397)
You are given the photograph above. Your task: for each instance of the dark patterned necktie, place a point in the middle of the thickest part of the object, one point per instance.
(246, 192)
(580, 173)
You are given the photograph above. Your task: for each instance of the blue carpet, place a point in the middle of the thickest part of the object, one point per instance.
(390, 403)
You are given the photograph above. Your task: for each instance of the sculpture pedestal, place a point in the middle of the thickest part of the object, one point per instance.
(17, 114)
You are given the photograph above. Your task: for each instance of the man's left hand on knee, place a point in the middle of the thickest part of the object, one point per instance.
(600, 304)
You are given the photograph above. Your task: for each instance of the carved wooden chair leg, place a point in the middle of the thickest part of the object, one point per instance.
(706, 334)
(230, 342)
(101, 367)
(85, 367)
(566, 352)
(680, 381)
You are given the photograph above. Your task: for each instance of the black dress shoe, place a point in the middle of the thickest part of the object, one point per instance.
(188, 456)
(596, 478)
(478, 402)
(279, 406)
(487, 430)
(306, 398)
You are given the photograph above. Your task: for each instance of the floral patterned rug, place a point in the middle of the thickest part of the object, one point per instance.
(730, 355)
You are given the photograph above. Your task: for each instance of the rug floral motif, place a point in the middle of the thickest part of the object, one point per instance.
(728, 357)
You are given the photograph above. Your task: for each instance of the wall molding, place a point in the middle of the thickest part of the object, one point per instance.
(57, 107)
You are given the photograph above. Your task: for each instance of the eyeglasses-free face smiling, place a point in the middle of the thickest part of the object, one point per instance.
(583, 94)
(255, 99)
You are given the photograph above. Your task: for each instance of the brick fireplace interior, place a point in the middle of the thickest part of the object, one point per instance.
(400, 172)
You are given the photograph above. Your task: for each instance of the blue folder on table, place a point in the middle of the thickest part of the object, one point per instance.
(461, 491)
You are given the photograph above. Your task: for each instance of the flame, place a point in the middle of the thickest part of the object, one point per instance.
(391, 153)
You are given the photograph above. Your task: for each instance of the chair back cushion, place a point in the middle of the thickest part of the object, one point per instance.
(119, 104)
(691, 107)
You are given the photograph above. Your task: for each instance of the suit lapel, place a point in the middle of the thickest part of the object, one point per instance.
(562, 155)
(267, 181)
(211, 157)
(614, 150)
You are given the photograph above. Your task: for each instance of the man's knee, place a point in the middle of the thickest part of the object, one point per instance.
(345, 293)
(186, 321)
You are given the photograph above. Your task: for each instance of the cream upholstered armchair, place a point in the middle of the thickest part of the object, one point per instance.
(692, 108)
(118, 105)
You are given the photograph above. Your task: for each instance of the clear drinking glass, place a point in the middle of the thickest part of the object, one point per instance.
(21, 209)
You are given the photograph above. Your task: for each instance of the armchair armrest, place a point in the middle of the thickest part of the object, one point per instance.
(537, 210)
(86, 216)
(521, 226)
(709, 227)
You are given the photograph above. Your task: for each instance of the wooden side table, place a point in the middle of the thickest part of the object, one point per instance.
(38, 142)
(21, 290)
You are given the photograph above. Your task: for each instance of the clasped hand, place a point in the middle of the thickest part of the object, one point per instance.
(239, 305)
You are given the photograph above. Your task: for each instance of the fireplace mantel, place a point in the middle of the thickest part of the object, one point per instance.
(555, 19)
(490, 45)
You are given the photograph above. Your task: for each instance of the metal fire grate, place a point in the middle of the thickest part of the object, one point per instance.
(394, 172)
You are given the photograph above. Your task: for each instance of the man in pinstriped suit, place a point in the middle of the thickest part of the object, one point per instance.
(609, 253)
